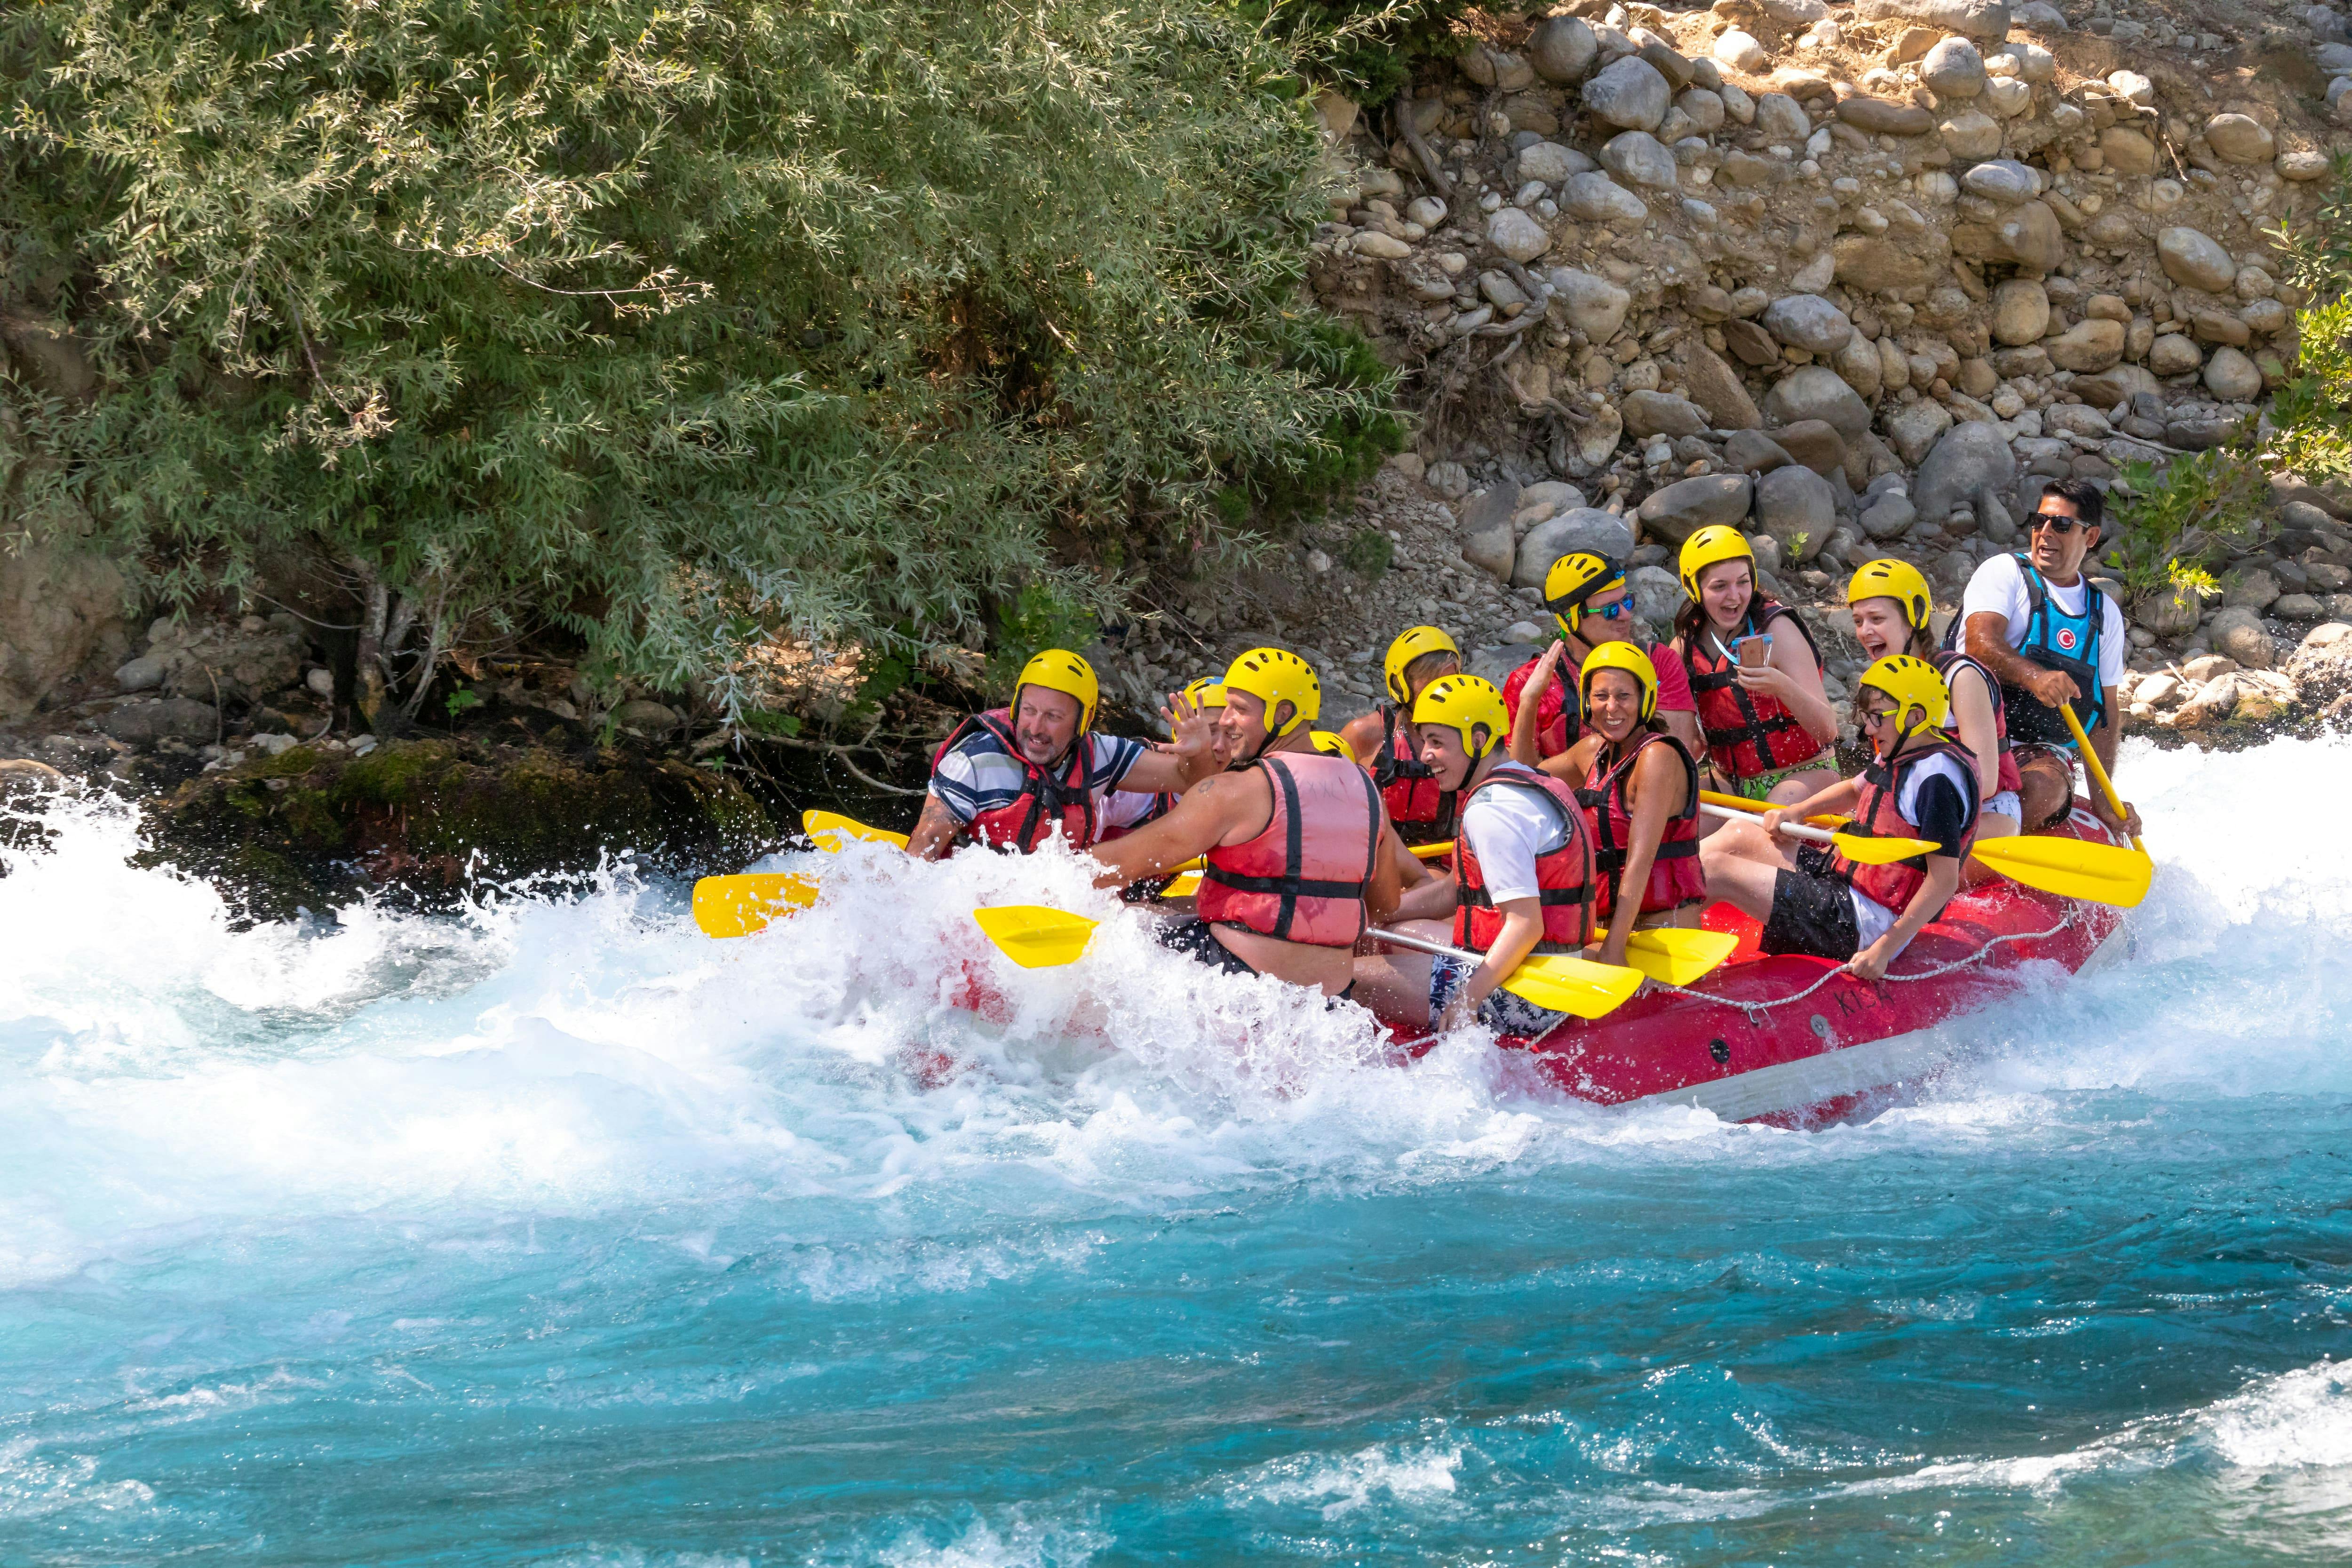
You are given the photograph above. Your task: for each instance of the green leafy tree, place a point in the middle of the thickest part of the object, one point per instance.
(672, 325)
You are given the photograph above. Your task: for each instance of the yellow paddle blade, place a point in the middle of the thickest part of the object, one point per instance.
(738, 906)
(1864, 851)
(2072, 869)
(1563, 982)
(1433, 851)
(832, 831)
(1184, 887)
(1674, 957)
(1037, 937)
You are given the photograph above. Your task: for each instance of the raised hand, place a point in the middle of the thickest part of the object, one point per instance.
(1187, 727)
(1547, 668)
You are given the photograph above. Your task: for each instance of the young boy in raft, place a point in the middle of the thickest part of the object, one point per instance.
(1639, 788)
(1423, 813)
(1522, 879)
(1297, 842)
(1755, 673)
(1890, 604)
(1016, 776)
(1921, 784)
(1589, 598)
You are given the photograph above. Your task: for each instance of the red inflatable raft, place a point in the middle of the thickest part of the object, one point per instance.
(1799, 1040)
(1785, 1039)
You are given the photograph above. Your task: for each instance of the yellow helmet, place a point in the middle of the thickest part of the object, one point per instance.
(1413, 643)
(1463, 703)
(1897, 580)
(1717, 541)
(1060, 669)
(1206, 692)
(1628, 657)
(1275, 676)
(1574, 578)
(1331, 743)
(1913, 683)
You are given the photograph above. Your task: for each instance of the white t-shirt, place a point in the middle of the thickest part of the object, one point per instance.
(1509, 826)
(1873, 920)
(1125, 808)
(1999, 588)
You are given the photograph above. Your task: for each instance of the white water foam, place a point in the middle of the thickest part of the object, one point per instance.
(160, 1067)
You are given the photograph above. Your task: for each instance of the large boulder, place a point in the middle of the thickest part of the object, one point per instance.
(1816, 392)
(2239, 634)
(1682, 509)
(1650, 413)
(2321, 666)
(1915, 430)
(1808, 321)
(1716, 387)
(1968, 459)
(1639, 158)
(170, 719)
(1796, 507)
(1551, 162)
(1629, 94)
(2090, 344)
(1580, 528)
(1656, 597)
(1592, 305)
(1562, 49)
(2233, 377)
(1782, 120)
(1516, 235)
(2192, 258)
(1885, 117)
(1597, 198)
(2240, 139)
(1953, 69)
(1984, 19)
(2021, 312)
(2027, 235)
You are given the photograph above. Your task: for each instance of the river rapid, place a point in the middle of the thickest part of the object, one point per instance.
(554, 1233)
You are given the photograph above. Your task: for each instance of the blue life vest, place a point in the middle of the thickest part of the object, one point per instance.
(2056, 640)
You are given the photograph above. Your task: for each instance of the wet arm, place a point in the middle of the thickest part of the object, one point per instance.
(935, 830)
(1198, 822)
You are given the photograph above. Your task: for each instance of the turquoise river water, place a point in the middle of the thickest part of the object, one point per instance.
(554, 1233)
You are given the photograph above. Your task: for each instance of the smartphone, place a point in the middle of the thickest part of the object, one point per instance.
(1754, 650)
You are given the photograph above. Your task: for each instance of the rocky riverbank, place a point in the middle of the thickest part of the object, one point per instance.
(1858, 279)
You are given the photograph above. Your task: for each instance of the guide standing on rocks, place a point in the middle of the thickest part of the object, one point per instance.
(2050, 636)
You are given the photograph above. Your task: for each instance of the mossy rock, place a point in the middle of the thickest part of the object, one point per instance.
(316, 828)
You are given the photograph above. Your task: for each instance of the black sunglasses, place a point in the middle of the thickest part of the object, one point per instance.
(2056, 522)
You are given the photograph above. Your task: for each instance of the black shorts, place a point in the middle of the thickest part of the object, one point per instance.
(1813, 913)
(1193, 939)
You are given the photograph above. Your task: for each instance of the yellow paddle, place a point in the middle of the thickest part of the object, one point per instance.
(832, 831)
(1862, 850)
(738, 906)
(2098, 770)
(1676, 956)
(1037, 937)
(2071, 868)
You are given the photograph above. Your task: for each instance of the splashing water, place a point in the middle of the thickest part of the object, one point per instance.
(554, 1233)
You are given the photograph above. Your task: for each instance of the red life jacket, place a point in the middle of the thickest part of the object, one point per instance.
(1878, 814)
(1559, 716)
(1949, 659)
(1423, 813)
(1747, 734)
(1302, 878)
(1563, 874)
(1047, 800)
(1675, 879)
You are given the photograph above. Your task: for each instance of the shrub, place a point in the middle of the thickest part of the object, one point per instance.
(673, 326)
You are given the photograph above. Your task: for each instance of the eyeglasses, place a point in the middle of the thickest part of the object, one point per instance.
(1610, 611)
(2056, 522)
(1874, 716)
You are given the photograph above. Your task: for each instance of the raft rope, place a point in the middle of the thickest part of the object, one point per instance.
(1757, 1011)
